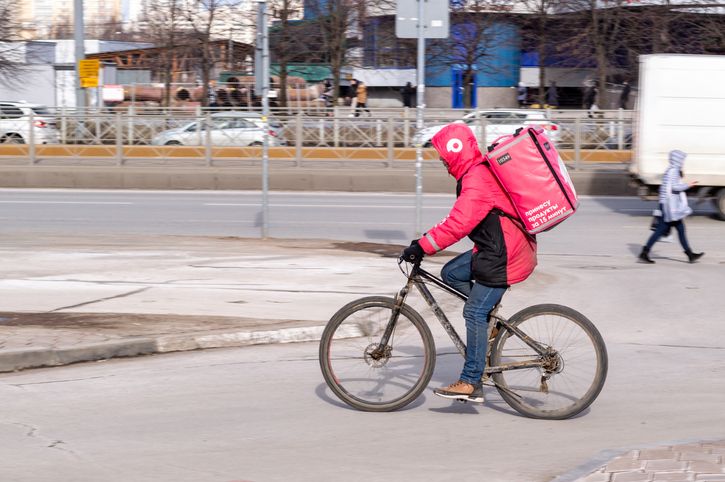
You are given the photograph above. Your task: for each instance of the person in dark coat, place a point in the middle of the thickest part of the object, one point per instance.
(408, 94)
(624, 96)
(552, 95)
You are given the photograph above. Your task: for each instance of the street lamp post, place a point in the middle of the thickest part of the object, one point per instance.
(262, 81)
(80, 52)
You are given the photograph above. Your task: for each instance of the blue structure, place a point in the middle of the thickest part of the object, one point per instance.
(314, 8)
(497, 60)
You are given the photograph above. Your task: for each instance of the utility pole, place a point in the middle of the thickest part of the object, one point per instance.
(430, 20)
(420, 107)
(261, 69)
(80, 51)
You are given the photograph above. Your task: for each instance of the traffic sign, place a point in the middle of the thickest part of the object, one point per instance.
(88, 72)
(87, 82)
(436, 19)
(88, 67)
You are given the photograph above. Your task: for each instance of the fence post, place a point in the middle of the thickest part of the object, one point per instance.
(119, 139)
(199, 125)
(406, 127)
(336, 131)
(620, 129)
(63, 126)
(483, 139)
(131, 114)
(577, 142)
(323, 129)
(378, 132)
(31, 140)
(207, 139)
(99, 132)
(391, 140)
(298, 140)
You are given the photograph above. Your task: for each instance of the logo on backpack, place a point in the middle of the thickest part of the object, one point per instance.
(503, 159)
(454, 145)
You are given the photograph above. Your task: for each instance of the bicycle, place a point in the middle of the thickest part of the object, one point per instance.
(377, 353)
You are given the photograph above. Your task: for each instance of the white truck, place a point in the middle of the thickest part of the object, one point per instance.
(681, 105)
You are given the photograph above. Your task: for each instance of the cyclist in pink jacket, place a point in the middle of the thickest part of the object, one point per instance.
(503, 253)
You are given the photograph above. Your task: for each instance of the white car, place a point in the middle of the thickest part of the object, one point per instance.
(226, 129)
(15, 124)
(497, 123)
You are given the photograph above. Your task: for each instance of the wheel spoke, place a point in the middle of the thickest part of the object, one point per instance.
(576, 368)
(366, 375)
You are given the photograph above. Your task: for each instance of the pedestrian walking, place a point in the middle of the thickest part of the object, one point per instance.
(674, 207)
(361, 92)
(590, 98)
(407, 93)
(521, 95)
(327, 93)
(552, 95)
(624, 96)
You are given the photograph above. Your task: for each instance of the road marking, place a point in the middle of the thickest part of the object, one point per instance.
(353, 206)
(63, 202)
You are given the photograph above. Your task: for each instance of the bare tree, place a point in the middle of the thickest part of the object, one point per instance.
(204, 17)
(334, 18)
(285, 45)
(477, 32)
(596, 31)
(162, 26)
(538, 24)
(11, 53)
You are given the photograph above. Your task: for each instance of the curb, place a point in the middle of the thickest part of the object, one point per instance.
(592, 470)
(15, 360)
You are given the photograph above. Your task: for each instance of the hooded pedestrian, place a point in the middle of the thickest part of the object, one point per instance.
(674, 207)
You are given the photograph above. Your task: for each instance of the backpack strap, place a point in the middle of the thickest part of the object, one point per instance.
(517, 222)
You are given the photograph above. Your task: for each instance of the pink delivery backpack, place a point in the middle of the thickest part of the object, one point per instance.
(535, 178)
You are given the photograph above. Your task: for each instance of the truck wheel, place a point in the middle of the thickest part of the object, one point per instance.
(720, 203)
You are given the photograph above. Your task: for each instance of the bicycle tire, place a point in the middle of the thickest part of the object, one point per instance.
(581, 358)
(383, 385)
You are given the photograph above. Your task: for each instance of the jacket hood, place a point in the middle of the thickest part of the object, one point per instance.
(458, 147)
(677, 159)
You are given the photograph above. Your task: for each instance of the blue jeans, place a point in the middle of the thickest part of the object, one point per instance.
(663, 227)
(481, 300)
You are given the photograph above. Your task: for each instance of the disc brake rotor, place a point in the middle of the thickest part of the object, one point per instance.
(376, 357)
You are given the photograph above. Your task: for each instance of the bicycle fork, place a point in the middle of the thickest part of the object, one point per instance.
(384, 350)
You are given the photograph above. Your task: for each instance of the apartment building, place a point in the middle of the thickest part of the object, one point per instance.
(45, 18)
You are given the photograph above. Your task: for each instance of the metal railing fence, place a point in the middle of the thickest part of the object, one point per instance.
(205, 134)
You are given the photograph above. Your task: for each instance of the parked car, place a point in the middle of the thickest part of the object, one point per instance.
(15, 124)
(497, 123)
(225, 129)
(256, 118)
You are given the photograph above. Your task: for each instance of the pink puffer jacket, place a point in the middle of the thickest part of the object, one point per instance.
(504, 254)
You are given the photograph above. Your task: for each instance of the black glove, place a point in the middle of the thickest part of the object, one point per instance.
(413, 253)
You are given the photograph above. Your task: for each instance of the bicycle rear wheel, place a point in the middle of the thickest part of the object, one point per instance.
(376, 381)
(572, 373)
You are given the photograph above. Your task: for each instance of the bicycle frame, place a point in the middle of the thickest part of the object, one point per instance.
(418, 277)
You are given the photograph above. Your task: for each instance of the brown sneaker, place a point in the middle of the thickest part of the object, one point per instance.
(462, 391)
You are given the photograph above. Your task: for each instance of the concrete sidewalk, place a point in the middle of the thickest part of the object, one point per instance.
(67, 300)
(125, 297)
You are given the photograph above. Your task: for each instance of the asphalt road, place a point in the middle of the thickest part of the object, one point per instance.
(386, 218)
(264, 413)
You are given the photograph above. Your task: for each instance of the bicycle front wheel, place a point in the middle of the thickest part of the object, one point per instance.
(366, 375)
(570, 374)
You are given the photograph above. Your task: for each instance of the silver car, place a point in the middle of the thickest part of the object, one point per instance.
(21, 122)
(497, 123)
(224, 129)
